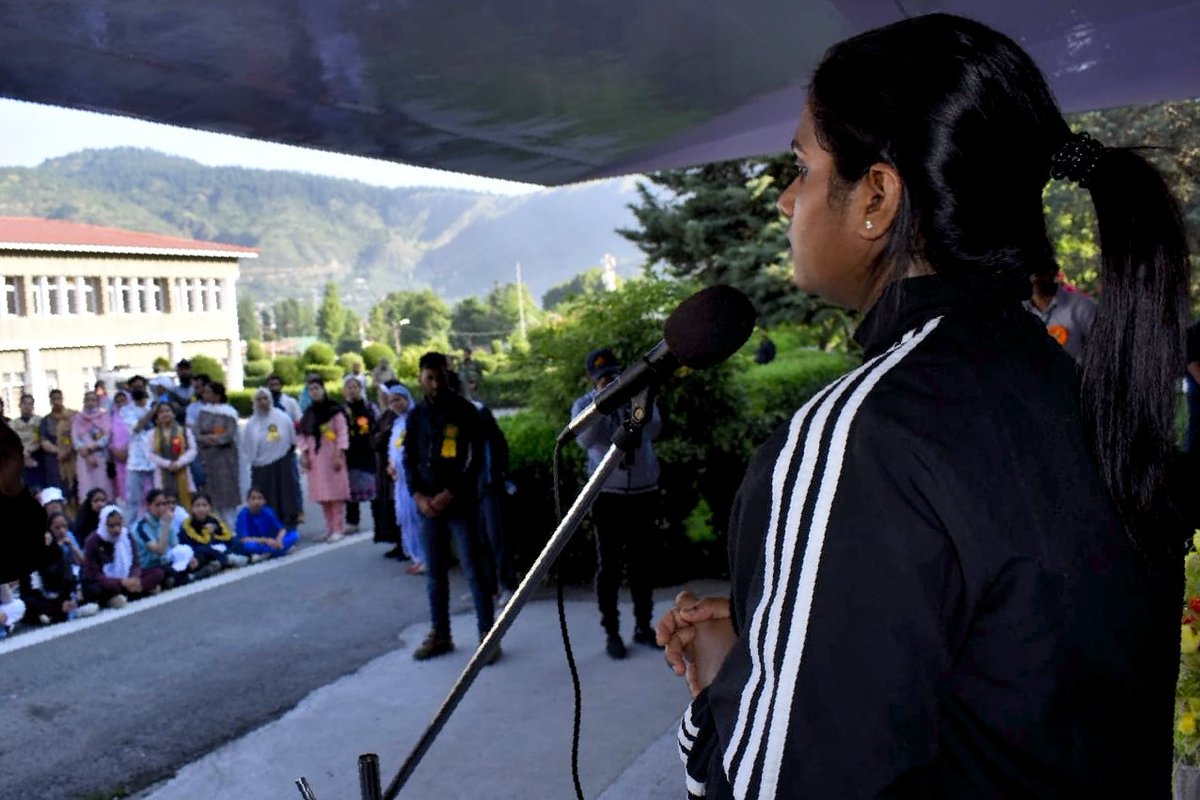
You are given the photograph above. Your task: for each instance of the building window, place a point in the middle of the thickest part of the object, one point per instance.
(14, 297)
(12, 386)
(161, 290)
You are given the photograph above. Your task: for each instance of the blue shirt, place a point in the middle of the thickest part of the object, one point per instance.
(263, 525)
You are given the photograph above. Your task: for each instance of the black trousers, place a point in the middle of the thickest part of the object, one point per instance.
(625, 525)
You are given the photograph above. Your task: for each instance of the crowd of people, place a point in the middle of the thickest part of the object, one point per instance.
(141, 490)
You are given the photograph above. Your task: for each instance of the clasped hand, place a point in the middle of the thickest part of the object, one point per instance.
(696, 635)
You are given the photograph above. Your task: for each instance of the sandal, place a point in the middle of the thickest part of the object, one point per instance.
(415, 569)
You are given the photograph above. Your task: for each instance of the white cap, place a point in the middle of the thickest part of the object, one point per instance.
(50, 494)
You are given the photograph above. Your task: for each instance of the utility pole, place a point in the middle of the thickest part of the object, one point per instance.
(520, 302)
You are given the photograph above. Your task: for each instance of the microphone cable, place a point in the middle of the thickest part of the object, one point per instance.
(566, 638)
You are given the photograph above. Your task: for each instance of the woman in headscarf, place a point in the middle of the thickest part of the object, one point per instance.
(383, 507)
(89, 514)
(216, 431)
(118, 447)
(360, 456)
(91, 430)
(268, 442)
(112, 575)
(322, 443)
(172, 450)
(407, 516)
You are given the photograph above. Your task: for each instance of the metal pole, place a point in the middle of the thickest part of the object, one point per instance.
(558, 541)
(368, 776)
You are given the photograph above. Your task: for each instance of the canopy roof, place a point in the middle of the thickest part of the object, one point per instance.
(544, 91)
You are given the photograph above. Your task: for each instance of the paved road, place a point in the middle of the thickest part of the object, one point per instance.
(123, 704)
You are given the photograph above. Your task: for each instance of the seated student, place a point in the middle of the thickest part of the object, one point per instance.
(179, 514)
(158, 545)
(12, 609)
(209, 536)
(52, 593)
(53, 502)
(88, 518)
(259, 531)
(111, 573)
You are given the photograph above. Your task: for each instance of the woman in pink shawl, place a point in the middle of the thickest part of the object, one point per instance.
(91, 432)
(119, 443)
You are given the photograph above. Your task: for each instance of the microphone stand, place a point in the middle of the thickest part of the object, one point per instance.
(624, 440)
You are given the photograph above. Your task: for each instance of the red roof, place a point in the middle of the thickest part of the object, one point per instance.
(33, 233)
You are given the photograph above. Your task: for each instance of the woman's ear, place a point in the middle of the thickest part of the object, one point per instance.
(877, 201)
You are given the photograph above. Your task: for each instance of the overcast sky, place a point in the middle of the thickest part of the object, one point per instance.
(33, 133)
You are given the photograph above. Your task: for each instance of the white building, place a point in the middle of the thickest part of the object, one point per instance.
(82, 299)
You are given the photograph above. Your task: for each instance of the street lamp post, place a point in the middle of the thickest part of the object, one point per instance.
(399, 328)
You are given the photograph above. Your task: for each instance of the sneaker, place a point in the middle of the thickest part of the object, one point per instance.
(258, 558)
(43, 619)
(494, 657)
(334, 537)
(644, 634)
(118, 601)
(615, 647)
(432, 647)
(236, 560)
(87, 610)
(397, 553)
(208, 570)
(352, 528)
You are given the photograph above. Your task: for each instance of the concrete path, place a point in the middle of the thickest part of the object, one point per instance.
(510, 737)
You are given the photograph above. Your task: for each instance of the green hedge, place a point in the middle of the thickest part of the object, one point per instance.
(505, 389)
(775, 390)
(259, 368)
(207, 365)
(377, 351)
(243, 400)
(318, 353)
(255, 350)
(330, 373)
(347, 361)
(288, 369)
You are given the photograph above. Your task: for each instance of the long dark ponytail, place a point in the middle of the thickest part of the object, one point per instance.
(967, 119)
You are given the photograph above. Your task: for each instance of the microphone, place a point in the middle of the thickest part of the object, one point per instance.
(701, 332)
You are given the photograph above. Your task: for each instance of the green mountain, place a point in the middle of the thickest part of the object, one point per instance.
(311, 229)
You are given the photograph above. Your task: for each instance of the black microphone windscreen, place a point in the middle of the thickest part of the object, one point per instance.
(709, 326)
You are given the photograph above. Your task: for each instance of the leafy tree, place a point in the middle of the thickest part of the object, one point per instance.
(331, 315)
(427, 315)
(249, 326)
(351, 340)
(255, 350)
(476, 321)
(294, 318)
(586, 283)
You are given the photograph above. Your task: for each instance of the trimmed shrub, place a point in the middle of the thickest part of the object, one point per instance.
(258, 369)
(377, 351)
(255, 350)
(330, 373)
(288, 369)
(242, 400)
(209, 366)
(347, 361)
(318, 353)
(162, 364)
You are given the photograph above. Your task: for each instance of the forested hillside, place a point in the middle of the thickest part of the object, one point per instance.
(311, 229)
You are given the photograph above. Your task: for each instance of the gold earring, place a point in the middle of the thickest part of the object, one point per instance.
(870, 225)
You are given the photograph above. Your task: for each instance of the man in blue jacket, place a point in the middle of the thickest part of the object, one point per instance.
(626, 511)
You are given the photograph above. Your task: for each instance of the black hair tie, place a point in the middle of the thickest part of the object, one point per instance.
(1076, 159)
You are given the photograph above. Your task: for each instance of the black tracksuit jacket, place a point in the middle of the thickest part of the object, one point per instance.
(933, 594)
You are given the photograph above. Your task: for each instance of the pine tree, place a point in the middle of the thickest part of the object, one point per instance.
(331, 315)
(718, 223)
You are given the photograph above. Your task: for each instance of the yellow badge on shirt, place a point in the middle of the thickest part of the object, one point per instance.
(328, 432)
(450, 442)
(272, 433)
(400, 441)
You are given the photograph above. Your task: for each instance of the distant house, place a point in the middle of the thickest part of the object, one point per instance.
(80, 300)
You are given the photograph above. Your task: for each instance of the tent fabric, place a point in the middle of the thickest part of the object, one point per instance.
(542, 91)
